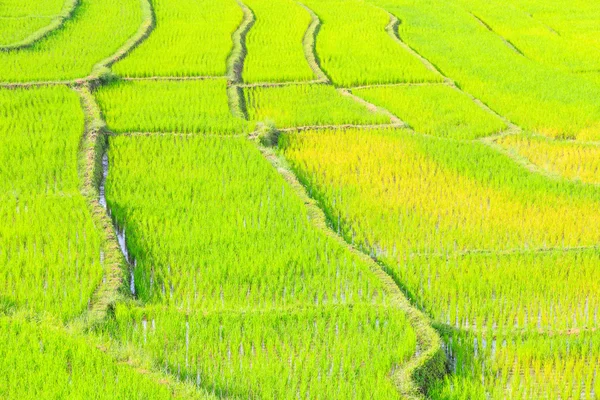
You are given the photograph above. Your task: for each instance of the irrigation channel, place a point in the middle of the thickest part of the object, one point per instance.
(120, 232)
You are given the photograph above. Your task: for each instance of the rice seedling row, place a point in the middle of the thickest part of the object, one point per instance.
(278, 289)
(275, 43)
(190, 38)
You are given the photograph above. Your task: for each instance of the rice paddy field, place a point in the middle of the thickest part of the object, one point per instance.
(300, 199)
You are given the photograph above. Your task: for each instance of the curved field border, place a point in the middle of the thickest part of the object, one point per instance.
(57, 22)
(310, 46)
(413, 378)
(93, 145)
(149, 22)
(101, 70)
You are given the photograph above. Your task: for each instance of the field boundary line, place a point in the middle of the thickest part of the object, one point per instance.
(392, 30)
(58, 20)
(145, 29)
(515, 332)
(523, 161)
(24, 85)
(172, 134)
(506, 252)
(141, 364)
(235, 60)
(93, 146)
(428, 364)
(400, 84)
(279, 84)
(309, 43)
(489, 28)
(373, 108)
(235, 63)
(172, 78)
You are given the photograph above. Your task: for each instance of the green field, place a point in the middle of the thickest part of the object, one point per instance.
(300, 199)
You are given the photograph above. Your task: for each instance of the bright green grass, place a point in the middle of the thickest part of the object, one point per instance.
(71, 52)
(38, 361)
(49, 247)
(169, 106)
(537, 97)
(322, 352)
(299, 105)
(15, 30)
(275, 51)
(435, 110)
(355, 49)
(191, 38)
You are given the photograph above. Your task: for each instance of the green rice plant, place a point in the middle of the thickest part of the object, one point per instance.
(50, 249)
(533, 38)
(24, 8)
(191, 38)
(19, 31)
(395, 193)
(41, 361)
(435, 110)
(317, 352)
(307, 105)
(576, 21)
(537, 97)
(199, 106)
(211, 226)
(244, 240)
(72, 51)
(569, 159)
(274, 43)
(354, 48)
(549, 291)
(520, 368)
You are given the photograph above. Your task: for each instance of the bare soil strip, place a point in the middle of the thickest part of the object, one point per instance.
(57, 22)
(428, 364)
(310, 46)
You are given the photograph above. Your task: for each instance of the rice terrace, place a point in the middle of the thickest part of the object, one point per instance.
(300, 199)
